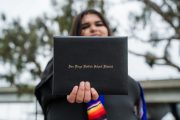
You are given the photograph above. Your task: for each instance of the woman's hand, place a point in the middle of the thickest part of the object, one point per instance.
(82, 93)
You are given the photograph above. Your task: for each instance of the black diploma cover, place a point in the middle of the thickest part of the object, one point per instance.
(100, 60)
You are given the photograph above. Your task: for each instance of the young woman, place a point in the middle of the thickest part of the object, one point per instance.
(84, 102)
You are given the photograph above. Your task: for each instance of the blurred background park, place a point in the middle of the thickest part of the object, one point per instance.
(27, 28)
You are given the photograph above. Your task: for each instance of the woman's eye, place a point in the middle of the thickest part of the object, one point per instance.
(99, 24)
(84, 26)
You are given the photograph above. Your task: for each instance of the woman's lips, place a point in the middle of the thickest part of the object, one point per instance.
(95, 35)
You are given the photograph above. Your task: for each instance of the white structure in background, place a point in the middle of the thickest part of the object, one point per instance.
(168, 116)
(19, 111)
(18, 107)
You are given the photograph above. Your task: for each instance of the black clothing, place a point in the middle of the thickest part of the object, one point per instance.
(118, 107)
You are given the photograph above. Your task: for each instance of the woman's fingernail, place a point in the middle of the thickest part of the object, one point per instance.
(88, 83)
(93, 90)
(75, 87)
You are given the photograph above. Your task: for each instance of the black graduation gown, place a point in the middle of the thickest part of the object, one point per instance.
(118, 107)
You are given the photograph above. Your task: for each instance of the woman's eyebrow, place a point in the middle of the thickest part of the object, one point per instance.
(99, 21)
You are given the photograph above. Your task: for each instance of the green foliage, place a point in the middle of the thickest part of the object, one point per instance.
(65, 20)
(20, 46)
(3, 17)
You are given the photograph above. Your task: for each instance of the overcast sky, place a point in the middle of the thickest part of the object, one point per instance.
(28, 9)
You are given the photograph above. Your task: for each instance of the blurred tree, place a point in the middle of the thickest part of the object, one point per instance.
(169, 13)
(21, 47)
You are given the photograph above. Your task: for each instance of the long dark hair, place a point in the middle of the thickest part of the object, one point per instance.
(76, 25)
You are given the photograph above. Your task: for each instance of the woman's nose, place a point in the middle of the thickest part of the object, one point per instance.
(93, 28)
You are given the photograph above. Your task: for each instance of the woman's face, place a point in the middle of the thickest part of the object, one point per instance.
(92, 25)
